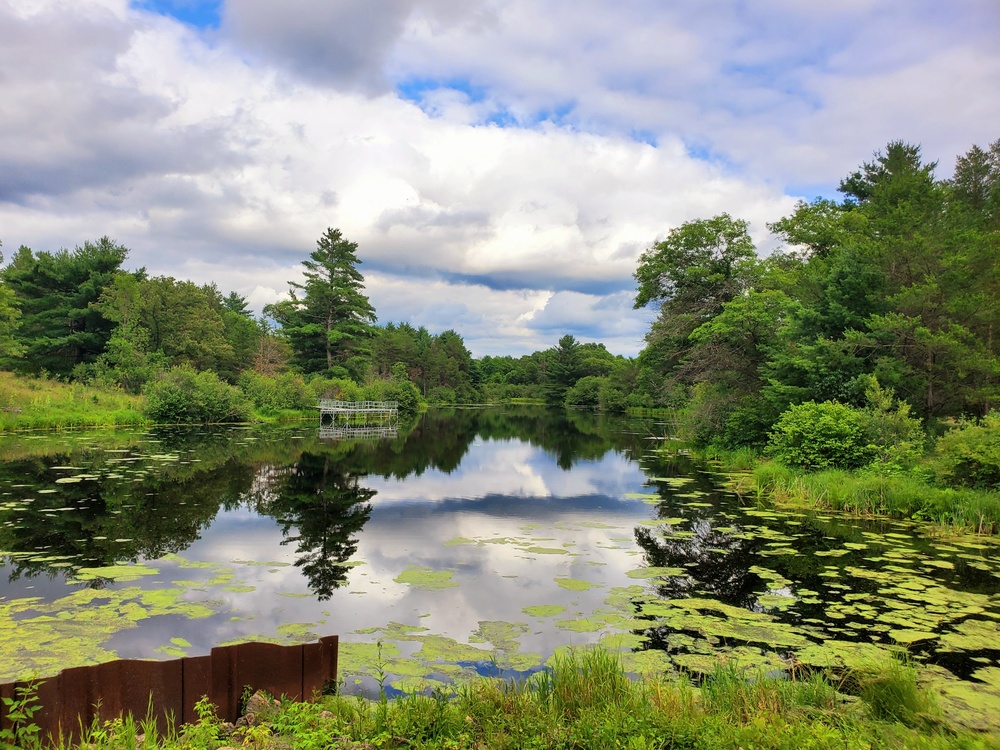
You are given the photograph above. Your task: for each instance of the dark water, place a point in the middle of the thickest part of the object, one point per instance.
(480, 540)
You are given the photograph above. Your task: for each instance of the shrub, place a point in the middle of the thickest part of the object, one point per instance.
(182, 395)
(403, 392)
(612, 399)
(969, 455)
(586, 391)
(815, 436)
(747, 425)
(830, 435)
(335, 388)
(896, 438)
(272, 394)
(442, 396)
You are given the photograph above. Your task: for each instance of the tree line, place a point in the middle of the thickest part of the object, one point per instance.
(199, 354)
(895, 287)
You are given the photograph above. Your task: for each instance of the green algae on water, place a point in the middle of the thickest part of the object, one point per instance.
(575, 584)
(121, 573)
(426, 578)
(544, 610)
(644, 573)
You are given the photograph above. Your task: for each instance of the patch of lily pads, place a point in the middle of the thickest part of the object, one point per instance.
(437, 660)
(426, 578)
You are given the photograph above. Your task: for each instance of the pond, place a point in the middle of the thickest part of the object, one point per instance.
(478, 541)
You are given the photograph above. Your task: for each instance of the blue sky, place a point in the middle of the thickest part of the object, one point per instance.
(501, 163)
(201, 14)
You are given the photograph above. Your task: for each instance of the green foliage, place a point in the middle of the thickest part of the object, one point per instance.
(10, 317)
(182, 395)
(442, 395)
(564, 369)
(896, 438)
(892, 694)
(698, 267)
(22, 734)
(830, 435)
(815, 436)
(439, 365)
(899, 496)
(59, 328)
(969, 455)
(403, 392)
(586, 391)
(611, 398)
(275, 394)
(27, 403)
(895, 282)
(329, 325)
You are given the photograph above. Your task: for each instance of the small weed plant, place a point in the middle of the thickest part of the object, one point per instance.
(23, 734)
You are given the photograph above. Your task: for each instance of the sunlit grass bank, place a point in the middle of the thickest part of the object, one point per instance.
(896, 496)
(904, 496)
(587, 701)
(28, 403)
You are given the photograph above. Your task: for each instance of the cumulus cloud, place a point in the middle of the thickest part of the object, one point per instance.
(339, 43)
(501, 165)
(759, 86)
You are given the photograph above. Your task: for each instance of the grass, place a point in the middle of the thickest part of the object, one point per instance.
(31, 403)
(587, 701)
(897, 496)
(904, 496)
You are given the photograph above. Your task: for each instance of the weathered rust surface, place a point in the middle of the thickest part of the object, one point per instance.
(169, 689)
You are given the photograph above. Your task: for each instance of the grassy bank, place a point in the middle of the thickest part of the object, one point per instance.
(904, 496)
(588, 702)
(30, 403)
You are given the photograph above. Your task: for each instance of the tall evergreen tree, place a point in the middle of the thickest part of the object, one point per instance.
(9, 319)
(59, 326)
(328, 320)
(565, 368)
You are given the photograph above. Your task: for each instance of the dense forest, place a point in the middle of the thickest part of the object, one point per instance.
(884, 300)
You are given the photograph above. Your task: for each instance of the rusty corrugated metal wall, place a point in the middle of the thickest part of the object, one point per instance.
(171, 688)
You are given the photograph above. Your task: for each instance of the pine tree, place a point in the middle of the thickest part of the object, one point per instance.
(328, 319)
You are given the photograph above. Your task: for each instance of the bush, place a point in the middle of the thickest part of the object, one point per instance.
(829, 435)
(403, 392)
(747, 425)
(278, 393)
(969, 455)
(815, 436)
(442, 396)
(341, 389)
(896, 438)
(586, 391)
(612, 399)
(182, 395)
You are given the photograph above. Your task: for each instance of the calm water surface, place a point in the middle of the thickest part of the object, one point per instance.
(480, 541)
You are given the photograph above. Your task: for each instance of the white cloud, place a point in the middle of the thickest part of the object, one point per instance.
(222, 155)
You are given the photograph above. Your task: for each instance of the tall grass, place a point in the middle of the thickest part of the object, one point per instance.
(898, 496)
(586, 701)
(28, 403)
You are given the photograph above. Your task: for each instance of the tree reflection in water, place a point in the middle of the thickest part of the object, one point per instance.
(322, 509)
(717, 563)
